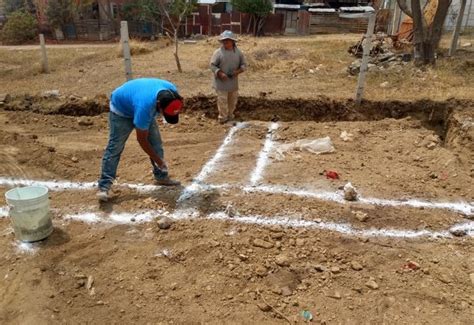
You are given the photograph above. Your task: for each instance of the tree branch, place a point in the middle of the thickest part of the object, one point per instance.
(404, 7)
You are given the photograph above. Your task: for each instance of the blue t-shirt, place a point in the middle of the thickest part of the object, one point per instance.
(137, 99)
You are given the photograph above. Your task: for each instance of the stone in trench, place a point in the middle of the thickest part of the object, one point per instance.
(458, 232)
(262, 243)
(282, 260)
(74, 159)
(361, 216)
(372, 284)
(261, 270)
(350, 193)
(320, 268)
(264, 307)
(84, 121)
(335, 270)
(356, 266)
(165, 223)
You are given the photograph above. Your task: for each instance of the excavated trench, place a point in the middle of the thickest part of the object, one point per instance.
(452, 120)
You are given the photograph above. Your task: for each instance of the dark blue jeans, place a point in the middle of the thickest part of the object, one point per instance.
(120, 129)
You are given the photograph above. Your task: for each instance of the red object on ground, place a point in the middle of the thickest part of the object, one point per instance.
(332, 175)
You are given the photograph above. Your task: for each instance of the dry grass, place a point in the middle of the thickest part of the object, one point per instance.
(138, 47)
(285, 66)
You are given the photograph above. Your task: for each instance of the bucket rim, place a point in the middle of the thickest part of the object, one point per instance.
(9, 192)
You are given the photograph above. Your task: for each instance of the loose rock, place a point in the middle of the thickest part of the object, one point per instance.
(264, 307)
(282, 260)
(262, 243)
(372, 284)
(165, 223)
(335, 270)
(350, 193)
(84, 121)
(361, 216)
(356, 266)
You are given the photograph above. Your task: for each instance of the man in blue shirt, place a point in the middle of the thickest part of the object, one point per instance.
(135, 105)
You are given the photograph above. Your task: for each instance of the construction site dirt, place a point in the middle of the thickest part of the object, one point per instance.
(255, 236)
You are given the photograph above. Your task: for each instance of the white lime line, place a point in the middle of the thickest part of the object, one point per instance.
(338, 196)
(343, 228)
(121, 218)
(282, 221)
(209, 167)
(262, 160)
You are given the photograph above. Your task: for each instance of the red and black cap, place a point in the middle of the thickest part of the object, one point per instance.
(171, 103)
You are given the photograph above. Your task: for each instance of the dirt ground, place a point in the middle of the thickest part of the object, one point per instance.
(235, 271)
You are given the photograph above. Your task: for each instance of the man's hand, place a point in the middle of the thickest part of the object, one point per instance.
(237, 72)
(142, 138)
(222, 76)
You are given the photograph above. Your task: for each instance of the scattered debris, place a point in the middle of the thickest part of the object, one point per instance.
(316, 146)
(345, 136)
(411, 265)
(74, 159)
(350, 193)
(466, 44)
(307, 316)
(471, 276)
(330, 174)
(273, 308)
(384, 84)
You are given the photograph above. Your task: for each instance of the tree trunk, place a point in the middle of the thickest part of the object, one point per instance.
(176, 54)
(418, 32)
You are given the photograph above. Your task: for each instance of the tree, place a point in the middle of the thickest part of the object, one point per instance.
(61, 13)
(20, 27)
(175, 11)
(146, 11)
(15, 5)
(427, 28)
(258, 10)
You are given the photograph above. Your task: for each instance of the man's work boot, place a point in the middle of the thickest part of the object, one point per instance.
(167, 182)
(103, 196)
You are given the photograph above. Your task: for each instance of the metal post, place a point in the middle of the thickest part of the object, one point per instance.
(468, 14)
(126, 50)
(365, 58)
(44, 55)
(457, 29)
(396, 19)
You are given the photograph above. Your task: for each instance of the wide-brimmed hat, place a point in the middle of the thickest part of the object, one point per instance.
(227, 34)
(171, 103)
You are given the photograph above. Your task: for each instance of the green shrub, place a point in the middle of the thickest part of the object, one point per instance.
(20, 27)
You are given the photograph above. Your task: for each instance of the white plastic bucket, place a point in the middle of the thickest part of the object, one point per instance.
(29, 212)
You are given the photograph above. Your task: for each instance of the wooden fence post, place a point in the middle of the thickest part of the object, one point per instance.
(365, 58)
(457, 29)
(44, 55)
(127, 59)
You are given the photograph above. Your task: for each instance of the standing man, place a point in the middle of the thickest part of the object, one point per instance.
(135, 105)
(226, 64)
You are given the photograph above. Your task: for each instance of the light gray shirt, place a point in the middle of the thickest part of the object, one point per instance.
(227, 61)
